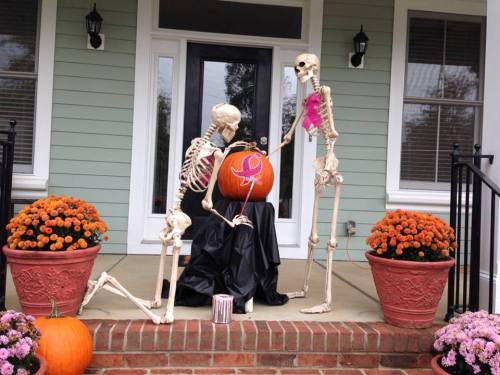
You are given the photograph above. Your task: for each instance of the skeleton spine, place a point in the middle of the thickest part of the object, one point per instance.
(324, 113)
(210, 132)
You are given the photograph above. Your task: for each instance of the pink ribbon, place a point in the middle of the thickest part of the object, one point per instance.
(312, 118)
(247, 171)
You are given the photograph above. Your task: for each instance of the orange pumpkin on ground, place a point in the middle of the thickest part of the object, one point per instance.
(65, 343)
(239, 170)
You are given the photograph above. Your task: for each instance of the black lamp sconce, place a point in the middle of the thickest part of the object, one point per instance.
(94, 23)
(360, 42)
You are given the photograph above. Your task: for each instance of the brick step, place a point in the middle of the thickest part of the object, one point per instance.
(139, 344)
(260, 371)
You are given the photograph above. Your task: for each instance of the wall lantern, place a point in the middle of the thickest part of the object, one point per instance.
(360, 41)
(94, 22)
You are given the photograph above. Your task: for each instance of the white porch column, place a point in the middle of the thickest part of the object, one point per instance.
(491, 145)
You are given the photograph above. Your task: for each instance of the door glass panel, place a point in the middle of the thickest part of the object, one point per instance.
(232, 83)
(288, 114)
(163, 113)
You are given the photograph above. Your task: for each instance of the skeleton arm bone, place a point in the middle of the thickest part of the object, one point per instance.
(289, 136)
(207, 201)
(219, 158)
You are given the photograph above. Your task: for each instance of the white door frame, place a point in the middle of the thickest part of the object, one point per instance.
(151, 43)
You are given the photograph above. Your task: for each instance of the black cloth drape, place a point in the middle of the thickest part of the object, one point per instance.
(240, 261)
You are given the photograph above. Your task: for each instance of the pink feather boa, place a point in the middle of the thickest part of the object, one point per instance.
(312, 118)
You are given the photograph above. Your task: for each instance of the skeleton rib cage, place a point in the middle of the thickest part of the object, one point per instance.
(196, 171)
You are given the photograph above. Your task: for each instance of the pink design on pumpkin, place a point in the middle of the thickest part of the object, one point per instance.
(247, 171)
(312, 118)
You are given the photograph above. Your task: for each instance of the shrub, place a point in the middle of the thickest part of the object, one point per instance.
(57, 223)
(412, 235)
(18, 342)
(470, 344)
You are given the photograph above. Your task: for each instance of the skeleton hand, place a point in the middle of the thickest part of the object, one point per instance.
(241, 220)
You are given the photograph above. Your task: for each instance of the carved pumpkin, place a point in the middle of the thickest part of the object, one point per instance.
(65, 343)
(238, 171)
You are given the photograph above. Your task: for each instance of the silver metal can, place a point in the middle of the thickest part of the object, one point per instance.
(222, 308)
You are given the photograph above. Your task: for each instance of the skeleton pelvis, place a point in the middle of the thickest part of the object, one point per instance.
(322, 169)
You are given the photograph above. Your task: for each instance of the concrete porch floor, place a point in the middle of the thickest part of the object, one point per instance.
(354, 294)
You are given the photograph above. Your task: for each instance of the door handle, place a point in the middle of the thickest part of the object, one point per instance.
(263, 141)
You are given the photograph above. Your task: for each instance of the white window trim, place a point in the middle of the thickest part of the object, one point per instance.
(437, 201)
(141, 240)
(35, 185)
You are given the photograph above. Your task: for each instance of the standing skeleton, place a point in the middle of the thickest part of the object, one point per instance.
(199, 173)
(306, 68)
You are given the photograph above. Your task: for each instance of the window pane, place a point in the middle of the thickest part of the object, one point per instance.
(164, 109)
(231, 17)
(288, 114)
(457, 126)
(418, 148)
(425, 58)
(232, 83)
(18, 28)
(17, 101)
(463, 50)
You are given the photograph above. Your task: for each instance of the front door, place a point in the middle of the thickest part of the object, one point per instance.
(239, 76)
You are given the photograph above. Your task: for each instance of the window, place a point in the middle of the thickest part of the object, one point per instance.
(163, 115)
(288, 114)
(442, 96)
(18, 75)
(232, 17)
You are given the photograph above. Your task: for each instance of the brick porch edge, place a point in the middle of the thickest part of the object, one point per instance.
(278, 344)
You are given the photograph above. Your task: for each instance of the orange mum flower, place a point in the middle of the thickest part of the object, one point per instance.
(412, 235)
(54, 224)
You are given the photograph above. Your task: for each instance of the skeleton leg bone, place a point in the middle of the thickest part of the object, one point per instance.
(326, 306)
(168, 317)
(313, 242)
(105, 278)
(159, 279)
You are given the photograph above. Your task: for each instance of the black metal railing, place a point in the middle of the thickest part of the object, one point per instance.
(6, 170)
(468, 183)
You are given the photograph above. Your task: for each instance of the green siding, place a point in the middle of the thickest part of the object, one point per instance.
(361, 111)
(92, 112)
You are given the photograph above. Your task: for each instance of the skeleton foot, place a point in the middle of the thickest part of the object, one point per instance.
(249, 306)
(168, 318)
(242, 220)
(155, 304)
(323, 308)
(297, 294)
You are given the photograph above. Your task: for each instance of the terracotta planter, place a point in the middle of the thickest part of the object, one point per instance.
(436, 368)
(42, 275)
(409, 292)
(43, 365)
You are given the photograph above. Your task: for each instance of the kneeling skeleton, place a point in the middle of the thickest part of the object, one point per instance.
(327, 174)
(199, 173)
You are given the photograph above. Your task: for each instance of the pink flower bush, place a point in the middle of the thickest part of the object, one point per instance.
(18, 342)
(470, 344)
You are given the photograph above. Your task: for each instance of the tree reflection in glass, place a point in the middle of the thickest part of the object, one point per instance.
(232, 83)
(163, 112)
(288, 113)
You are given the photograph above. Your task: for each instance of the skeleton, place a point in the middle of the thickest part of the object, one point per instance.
(306, 68)
(199, 173)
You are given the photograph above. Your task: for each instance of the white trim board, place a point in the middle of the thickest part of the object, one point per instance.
(151, 42)
(35, 185)
(396, 197)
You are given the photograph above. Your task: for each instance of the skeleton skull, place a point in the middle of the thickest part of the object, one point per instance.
(226, 118)
(306, 65)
